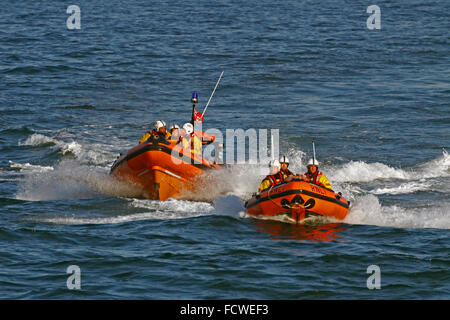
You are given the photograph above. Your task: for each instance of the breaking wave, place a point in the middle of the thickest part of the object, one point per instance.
(71, 180)
(96, 154)
(159, 210)
(155, 210)
(37, 139)
(358, 171)
(405, 188)
(369, 211)
(29, 167)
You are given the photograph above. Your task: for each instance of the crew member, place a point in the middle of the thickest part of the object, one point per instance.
(315, 176)
(174, 131)
(274, 178)
(159, 128)
(284, 161)
(190, 139)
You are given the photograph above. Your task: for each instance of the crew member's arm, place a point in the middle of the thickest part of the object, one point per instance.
(186, 143)
(265, 184)
(207, 139)
(288, 175)
(324, 181)
(144, 137)
(204, 137)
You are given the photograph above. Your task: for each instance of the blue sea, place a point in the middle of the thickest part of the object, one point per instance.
(375, 101)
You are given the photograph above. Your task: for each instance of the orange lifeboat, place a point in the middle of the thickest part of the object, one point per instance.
(298, 200)
(162, 169)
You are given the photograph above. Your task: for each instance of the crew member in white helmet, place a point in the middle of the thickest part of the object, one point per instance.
(274, 178)
(174, 131)
(284, 161)
(315, 176)
(190, 139)
(159, 128)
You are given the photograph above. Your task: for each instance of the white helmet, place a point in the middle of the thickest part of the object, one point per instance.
(174, 126)
(284, 159)
(313, 162)
(188, 127)
(274, 163)
(159, 124)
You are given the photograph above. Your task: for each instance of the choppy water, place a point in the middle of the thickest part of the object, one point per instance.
(375, 101)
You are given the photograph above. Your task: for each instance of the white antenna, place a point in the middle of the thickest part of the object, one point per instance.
(314, 152)
(272, 151)
(210, 97)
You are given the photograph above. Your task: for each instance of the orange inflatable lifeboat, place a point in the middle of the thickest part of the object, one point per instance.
(161, 168)
(298, 199)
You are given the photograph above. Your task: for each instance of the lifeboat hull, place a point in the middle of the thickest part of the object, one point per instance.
(298, 200)
(161, 169)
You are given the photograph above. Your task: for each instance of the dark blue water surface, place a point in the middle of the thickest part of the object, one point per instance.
(377, 103)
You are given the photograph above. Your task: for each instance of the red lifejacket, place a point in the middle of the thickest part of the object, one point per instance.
(287, 172)
(273, 179)
(205, 138)
(315, 178)
(190, 137)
